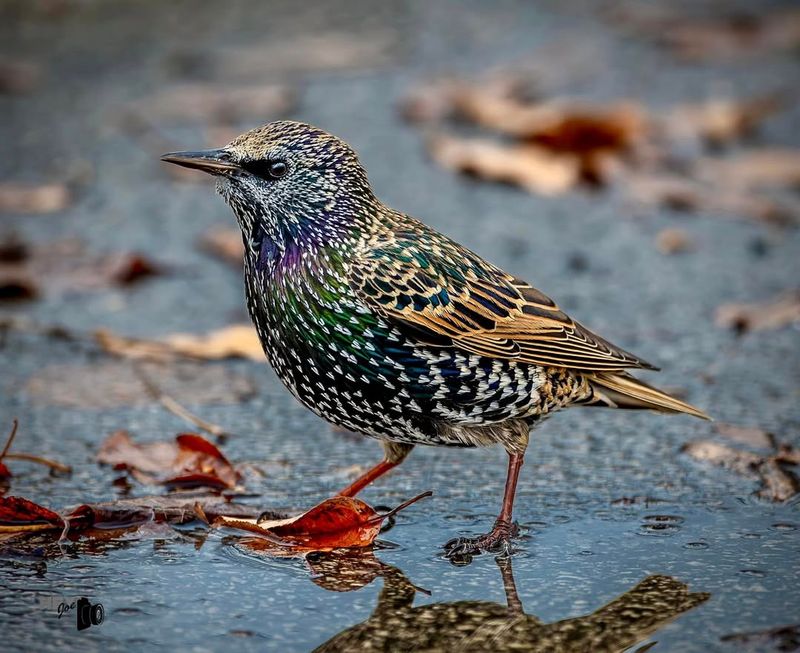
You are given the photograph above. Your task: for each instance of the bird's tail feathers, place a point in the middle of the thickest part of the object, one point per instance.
(621, 390)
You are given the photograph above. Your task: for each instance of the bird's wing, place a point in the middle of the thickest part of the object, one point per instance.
(444, 294)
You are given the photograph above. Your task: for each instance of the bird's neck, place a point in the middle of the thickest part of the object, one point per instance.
(293, 243)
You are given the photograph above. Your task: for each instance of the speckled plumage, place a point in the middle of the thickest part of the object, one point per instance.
(384, 326)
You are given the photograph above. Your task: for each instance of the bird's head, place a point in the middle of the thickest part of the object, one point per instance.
(288, 179)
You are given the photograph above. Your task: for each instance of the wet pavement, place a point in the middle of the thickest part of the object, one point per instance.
(606, 499)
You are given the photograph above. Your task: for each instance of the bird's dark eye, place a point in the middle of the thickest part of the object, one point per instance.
(277, 169)
(266, 169)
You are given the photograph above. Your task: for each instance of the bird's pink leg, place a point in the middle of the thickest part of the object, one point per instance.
(499, 538)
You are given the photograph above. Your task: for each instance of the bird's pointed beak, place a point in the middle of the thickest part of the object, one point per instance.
(214, 162)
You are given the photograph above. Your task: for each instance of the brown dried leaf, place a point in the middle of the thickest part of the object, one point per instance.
(29, 198)
(673, 241)
(573, 142)
(18, 77)
(562, 126)
(189, 461)
(506, 114)
(15, 288)
(528, 166)
(181, 507)
(20, 515)
(742, 462)
(751, 435)
(235, 341)
(66, 266)
(719, 121)
(430, 102)
(684, 194)
(777, 483)
(225, 244)
(775, 313)
(593, 134)
(753, 169)
(113, 519)
(129, 268)
(581, 129)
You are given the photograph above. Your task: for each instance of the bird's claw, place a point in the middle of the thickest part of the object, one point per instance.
(460, 550)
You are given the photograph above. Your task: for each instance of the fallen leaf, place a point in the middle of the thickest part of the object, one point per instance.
(130, 268)
(115, 383)
(235, 341)
(66, 266)
(751, 435)
(550, 146)
(30, 198)
(339, 522)
(529, 166)
(114, 519)
(719, 121)
(430, 102)
(742, 462)
(774, 470)
(685, 194)
(753, 169)
(18, 77)
(224, 244)
(190, 461)
(775, 313)
(13, 250)
(673, 241)
(215, 103)
(20, 515)
(592, 134)
(181, 507)
(778, 483)
(17, 289)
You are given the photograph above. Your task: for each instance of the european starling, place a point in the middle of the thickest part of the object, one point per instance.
(384, 326)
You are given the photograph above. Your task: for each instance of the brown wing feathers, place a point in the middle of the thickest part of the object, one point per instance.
(448, 296)
(433, 285)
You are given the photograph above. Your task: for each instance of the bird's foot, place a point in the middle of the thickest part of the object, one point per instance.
(461, 549)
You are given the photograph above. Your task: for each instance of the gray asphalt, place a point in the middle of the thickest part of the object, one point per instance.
(582, 548)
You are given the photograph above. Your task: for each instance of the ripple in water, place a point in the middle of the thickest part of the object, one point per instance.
(756, 573)
(699, 546)
(660, 525)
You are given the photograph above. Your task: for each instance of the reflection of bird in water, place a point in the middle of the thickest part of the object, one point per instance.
(478, 626)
